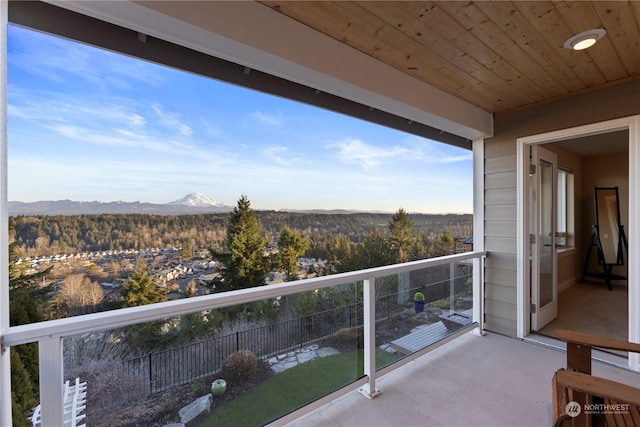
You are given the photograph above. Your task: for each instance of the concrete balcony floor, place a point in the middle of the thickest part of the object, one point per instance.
(471, 381)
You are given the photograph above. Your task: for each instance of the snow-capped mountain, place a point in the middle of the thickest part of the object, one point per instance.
(198, 200)
(194, 203)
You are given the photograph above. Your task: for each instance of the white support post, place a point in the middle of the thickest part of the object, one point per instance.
(51, 381)
(369, 390)
(5, 354)
(478, 236)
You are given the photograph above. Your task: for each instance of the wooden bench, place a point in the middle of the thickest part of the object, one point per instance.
(581, 399)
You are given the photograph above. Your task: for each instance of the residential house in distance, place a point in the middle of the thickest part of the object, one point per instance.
(503, 79)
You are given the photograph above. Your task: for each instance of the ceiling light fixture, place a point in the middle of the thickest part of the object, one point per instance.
(585, 39)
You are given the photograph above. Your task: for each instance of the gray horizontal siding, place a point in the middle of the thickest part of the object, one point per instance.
(499, 180)
(500, 212)
(500, 236)
(501, 196)
(500, 164)
(498, 228)
(500, 325)
(501, 279)
(507, 245)
(507, 294)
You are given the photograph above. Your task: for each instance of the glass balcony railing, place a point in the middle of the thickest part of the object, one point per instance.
(312, 338)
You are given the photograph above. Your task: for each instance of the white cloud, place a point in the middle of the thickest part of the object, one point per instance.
(436, 152)
(277, 154)
(267, 119)
(55, 107)
(62, 58)
(172, 120)
(208, 129)
(353, 151)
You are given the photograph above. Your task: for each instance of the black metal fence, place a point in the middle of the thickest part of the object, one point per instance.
(173, 367)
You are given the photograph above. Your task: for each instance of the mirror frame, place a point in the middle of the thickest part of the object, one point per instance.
(608, 225)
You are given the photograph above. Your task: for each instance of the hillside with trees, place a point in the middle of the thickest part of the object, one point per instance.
(50, 235)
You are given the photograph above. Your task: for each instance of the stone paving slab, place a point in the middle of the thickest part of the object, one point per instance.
(285, 361)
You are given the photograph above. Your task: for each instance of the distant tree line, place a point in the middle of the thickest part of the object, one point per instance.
(50, 235)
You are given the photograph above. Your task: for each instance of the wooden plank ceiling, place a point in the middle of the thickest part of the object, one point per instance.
(501, 56)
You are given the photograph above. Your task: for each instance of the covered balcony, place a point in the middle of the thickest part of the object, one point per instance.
(498, 78)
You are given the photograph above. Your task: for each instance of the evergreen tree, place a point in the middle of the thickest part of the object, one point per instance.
(418, 248)
(27, 302)
(246, 265)
(23, 397)
(186, 251)
(291, 246)
(374, 251)
(444, 243)
(339, 248)
(400, 236)
(141, 288)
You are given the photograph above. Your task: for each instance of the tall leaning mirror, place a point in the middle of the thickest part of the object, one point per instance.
(608, 236)
(607, 215)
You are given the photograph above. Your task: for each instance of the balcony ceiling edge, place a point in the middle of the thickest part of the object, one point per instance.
(255, 36)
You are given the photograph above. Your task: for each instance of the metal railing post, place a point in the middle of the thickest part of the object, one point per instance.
(452, 287)
(369, 301)
(150, 375)
(51, 381)
(478, 295)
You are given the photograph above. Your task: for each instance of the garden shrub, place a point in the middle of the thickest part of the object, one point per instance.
(351, 335)
(239, 365)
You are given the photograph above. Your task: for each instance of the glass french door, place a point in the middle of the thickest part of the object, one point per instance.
(544, 286)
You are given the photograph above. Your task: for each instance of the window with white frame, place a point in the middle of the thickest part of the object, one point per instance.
(566, 222)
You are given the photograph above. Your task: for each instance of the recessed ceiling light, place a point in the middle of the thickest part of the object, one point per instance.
(585, 39)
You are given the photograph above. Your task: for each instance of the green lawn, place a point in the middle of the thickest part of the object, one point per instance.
(292, 389)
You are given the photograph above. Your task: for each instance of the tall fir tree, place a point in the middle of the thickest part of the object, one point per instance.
(23, 397)
(141, 288)
(445, 242)
(291, 246)
(401, 236)
(27, 303)
(246, 265)
(339, 249)
(186, 251)
(374, 250)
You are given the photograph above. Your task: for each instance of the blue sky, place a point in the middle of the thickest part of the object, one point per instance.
(87, 124)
